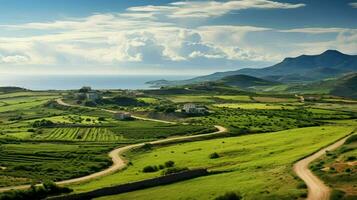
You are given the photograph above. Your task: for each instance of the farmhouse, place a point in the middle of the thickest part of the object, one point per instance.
(122, 115)
(92, 95)
(193, 108)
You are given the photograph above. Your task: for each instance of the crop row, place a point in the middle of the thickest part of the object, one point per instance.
(81, 134)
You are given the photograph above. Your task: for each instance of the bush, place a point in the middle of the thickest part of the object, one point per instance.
(337, 194)
(147, 146)
(301, 185)
(35, 193)
(213, 155)
(174, 170)
(149, 169)
(169, 163)
(101, 119)
(352, 138)
(229, 196)
(42, 123)
(351, 158)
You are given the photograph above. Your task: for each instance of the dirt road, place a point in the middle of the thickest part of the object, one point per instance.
(317, 190)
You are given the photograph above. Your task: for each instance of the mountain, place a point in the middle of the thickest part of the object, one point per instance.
(328, 64)
(304, 68)
(245, 81)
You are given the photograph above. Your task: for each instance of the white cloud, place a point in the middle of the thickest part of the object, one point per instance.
(353, 4)
(204, 9)
(315, 30)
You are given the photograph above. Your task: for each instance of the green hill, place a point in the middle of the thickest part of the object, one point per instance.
(245, 81)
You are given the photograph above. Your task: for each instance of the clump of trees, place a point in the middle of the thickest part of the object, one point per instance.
(168, 165)
(42, 123)
(35, 192)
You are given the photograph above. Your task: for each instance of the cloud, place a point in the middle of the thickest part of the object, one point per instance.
(353, 4)
(204, 9)
(316, 30)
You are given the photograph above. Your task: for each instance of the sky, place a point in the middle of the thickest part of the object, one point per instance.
(168, 37)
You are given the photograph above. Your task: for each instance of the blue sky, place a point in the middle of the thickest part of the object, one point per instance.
(168, 37)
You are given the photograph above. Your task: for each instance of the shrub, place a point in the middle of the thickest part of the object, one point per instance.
(149, 169)
(352, 138)
(147, 146)
(213, 155)
(174, 170)
(43, 123)
(337, 194)
(35, 193)
(169, 163)
(229, 196)
(351, 158)
(101, 119)
(301, 185)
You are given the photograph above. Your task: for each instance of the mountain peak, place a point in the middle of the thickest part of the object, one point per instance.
(332, 52)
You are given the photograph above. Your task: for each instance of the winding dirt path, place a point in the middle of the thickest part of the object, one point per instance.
(317, 190)
(116, 155)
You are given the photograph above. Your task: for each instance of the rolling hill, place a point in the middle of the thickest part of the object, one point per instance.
(304, 68)
(345, 86)
(245, 81)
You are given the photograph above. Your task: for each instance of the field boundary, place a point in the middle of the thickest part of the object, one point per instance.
(128, 187)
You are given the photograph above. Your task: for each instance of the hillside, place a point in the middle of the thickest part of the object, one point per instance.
(244, 81)
(344, 86)
(304, 68)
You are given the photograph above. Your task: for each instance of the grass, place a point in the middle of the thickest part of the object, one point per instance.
(234, 97)
(149, 100)
(274, 99)
(190, 98)
(34, 162)
(256, 166)
(252, 106)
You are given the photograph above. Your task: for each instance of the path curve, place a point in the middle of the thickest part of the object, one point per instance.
(116, 156)
(317, 190)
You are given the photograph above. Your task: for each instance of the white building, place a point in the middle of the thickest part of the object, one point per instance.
(193, 108)
(92, 95)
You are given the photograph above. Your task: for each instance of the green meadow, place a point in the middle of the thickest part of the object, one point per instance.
(256, 166)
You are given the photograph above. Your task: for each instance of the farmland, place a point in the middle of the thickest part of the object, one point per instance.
(249, 165)
(43, 140)
(66, 142)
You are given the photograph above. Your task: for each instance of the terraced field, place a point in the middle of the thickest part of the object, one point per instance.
(81, 134)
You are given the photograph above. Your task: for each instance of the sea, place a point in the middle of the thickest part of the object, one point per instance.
(68, 82)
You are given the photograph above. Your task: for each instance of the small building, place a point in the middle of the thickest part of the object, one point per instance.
(193, 109)
(122, 115)
(92, 95)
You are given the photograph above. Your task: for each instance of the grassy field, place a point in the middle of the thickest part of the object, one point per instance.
(257, 166)
(26, 163)
(338, 168)
(190, 98)
(234, 97)
(274, 99)
(261, 106)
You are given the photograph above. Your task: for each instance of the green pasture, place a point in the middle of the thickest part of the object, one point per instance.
(257, 166)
